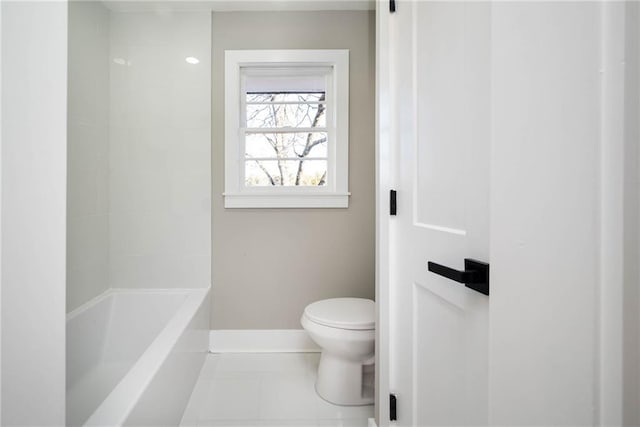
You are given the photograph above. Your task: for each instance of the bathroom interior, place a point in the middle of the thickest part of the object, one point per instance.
(159, 272)
(136, 289)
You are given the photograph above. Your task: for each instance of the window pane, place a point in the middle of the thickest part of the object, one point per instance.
(280, 145)
(267, 173)
(286, 115)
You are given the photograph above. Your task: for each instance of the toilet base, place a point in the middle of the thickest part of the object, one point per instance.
(344, 382)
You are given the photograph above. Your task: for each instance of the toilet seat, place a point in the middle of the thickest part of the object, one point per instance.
(343, 313)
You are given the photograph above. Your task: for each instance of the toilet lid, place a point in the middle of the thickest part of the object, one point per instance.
(343, 313)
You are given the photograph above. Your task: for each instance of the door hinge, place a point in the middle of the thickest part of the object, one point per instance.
(393, 416)
(393, 205)
(392, 6)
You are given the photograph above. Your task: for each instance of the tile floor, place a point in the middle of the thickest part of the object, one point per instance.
(265, 389)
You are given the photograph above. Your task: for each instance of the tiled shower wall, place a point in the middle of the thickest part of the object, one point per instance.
(139, 201)
(88, 153)
(159, 140)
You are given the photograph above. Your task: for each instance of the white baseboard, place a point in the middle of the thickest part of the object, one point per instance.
(372, 422)
(261, 341)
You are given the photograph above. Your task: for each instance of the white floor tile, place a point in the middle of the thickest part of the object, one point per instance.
(287, 396)
(262, 362)
(289, 423)
(265, 389)
(343, 423)
(313, 360)
(228, 423)
(210, 366)
(232, 398)
(326, 410)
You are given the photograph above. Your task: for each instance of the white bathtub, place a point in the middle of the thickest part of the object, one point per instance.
(133, 356)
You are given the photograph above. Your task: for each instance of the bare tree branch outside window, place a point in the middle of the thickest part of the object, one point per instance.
(286, 139)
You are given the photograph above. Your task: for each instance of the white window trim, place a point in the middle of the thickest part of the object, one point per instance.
(336, 193)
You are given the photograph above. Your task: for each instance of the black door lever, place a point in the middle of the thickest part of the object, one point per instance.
(475, 275)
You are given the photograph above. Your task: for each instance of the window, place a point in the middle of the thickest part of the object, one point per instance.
(286, 128)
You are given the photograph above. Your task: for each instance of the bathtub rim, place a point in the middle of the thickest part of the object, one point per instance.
(120, 402)
(119, 291)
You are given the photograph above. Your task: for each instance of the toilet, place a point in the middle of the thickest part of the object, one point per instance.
(344, 328)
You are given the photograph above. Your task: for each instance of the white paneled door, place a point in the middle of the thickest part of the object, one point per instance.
(440, 75)
(502, 129)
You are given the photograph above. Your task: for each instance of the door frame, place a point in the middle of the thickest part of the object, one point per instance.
(619, 298)
(384, 221)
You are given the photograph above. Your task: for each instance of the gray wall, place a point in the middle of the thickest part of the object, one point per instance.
(268, 264)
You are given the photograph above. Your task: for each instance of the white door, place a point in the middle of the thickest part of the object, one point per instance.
(530, 100)
(440, 74)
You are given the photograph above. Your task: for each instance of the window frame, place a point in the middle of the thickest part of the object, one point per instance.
(335, 193)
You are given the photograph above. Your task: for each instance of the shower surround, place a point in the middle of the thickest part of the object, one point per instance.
(139, 208)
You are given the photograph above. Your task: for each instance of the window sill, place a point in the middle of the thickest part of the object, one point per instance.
(260, 201)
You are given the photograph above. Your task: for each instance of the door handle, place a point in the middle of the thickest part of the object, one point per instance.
(475, 275)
